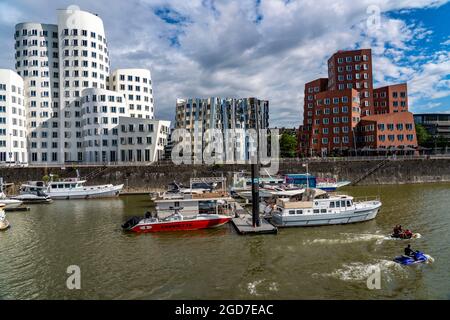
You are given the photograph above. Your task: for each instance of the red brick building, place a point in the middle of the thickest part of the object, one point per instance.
(339, 109)
(391, 99)
(353, 70)
(389, 131)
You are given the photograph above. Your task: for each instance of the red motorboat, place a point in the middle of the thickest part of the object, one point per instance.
(193, 212)
(175, 222)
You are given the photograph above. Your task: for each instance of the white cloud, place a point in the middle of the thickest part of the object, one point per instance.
(239, 48)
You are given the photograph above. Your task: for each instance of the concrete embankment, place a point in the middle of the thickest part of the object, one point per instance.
(156, 177)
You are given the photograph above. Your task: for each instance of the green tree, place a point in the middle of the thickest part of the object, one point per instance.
(288, 145)
(423, 137)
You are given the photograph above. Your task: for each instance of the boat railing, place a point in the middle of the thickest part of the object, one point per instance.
(366, 199)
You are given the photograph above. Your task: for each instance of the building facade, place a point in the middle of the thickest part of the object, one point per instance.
(142, 140)
(197, 115)
(37, 62)
(391, 99)
(136, 86)
(13, 124)
(389, 131)
(332, 126)
(64, 67)
(437, 124)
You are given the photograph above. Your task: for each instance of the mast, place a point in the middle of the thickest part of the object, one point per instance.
(255, 176)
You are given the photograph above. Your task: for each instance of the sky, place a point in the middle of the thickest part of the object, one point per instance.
(262, 48)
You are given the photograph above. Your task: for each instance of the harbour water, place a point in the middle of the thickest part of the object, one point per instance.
(331, 262)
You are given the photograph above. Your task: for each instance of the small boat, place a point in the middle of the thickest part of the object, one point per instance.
(419, 257)
(4, 224)
(193, 212)
(310, 181)
(9, 203)
(330, 185)
(73, 188)
(33, 198)
(178, 191)
(404, 235)
(175, 222)
(317, 208)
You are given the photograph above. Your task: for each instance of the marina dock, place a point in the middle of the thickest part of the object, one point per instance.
(17, 209)
(243, 224)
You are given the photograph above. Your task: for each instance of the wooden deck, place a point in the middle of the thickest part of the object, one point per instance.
(243, 224)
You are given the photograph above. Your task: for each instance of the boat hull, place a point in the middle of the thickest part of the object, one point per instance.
(87, 193)
(11, 203)
(184, 225)
(325, 219)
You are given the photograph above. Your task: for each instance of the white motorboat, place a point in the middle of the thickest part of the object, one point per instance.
(318, 208)
(9, 203)
(4, 224)
(178, 191)
(74, 188)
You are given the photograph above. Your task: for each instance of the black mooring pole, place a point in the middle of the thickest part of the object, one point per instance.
(255, 195)
(255, 177)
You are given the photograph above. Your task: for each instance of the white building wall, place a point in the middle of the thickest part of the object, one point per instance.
(37, 61)
(142, 140)
(64, 66)
(13, 130)
(136, 85)
(84, 63)
(101, 110)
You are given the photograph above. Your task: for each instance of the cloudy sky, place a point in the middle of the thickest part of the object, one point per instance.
(262, 48)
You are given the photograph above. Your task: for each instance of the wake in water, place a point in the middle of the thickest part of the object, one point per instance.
(252, 287)
(358, 271)
(350, 238)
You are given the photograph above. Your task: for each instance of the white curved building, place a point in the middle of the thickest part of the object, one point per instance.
(37, 61)
(13, 130)
(72, 115)
(136, 85)
(84, 63)
(100, 111)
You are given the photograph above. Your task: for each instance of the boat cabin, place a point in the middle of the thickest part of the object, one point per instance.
(331, 205)
(193, 204)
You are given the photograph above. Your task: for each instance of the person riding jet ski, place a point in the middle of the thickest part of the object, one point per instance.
(397, 230)
(408, 234)
(410, 252)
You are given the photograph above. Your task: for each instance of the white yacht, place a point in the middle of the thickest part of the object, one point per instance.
(316, 208)
(74, 188)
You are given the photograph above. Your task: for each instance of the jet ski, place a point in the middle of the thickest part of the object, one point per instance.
(404, 235)
(419, 257)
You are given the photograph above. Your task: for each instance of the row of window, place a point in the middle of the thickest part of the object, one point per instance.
(356, 58)
(336, 130)
(395, 94)
(34, 32)
(336, 140)
(122, 77)
(136, 88)
(391, 137)
(349, 76)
